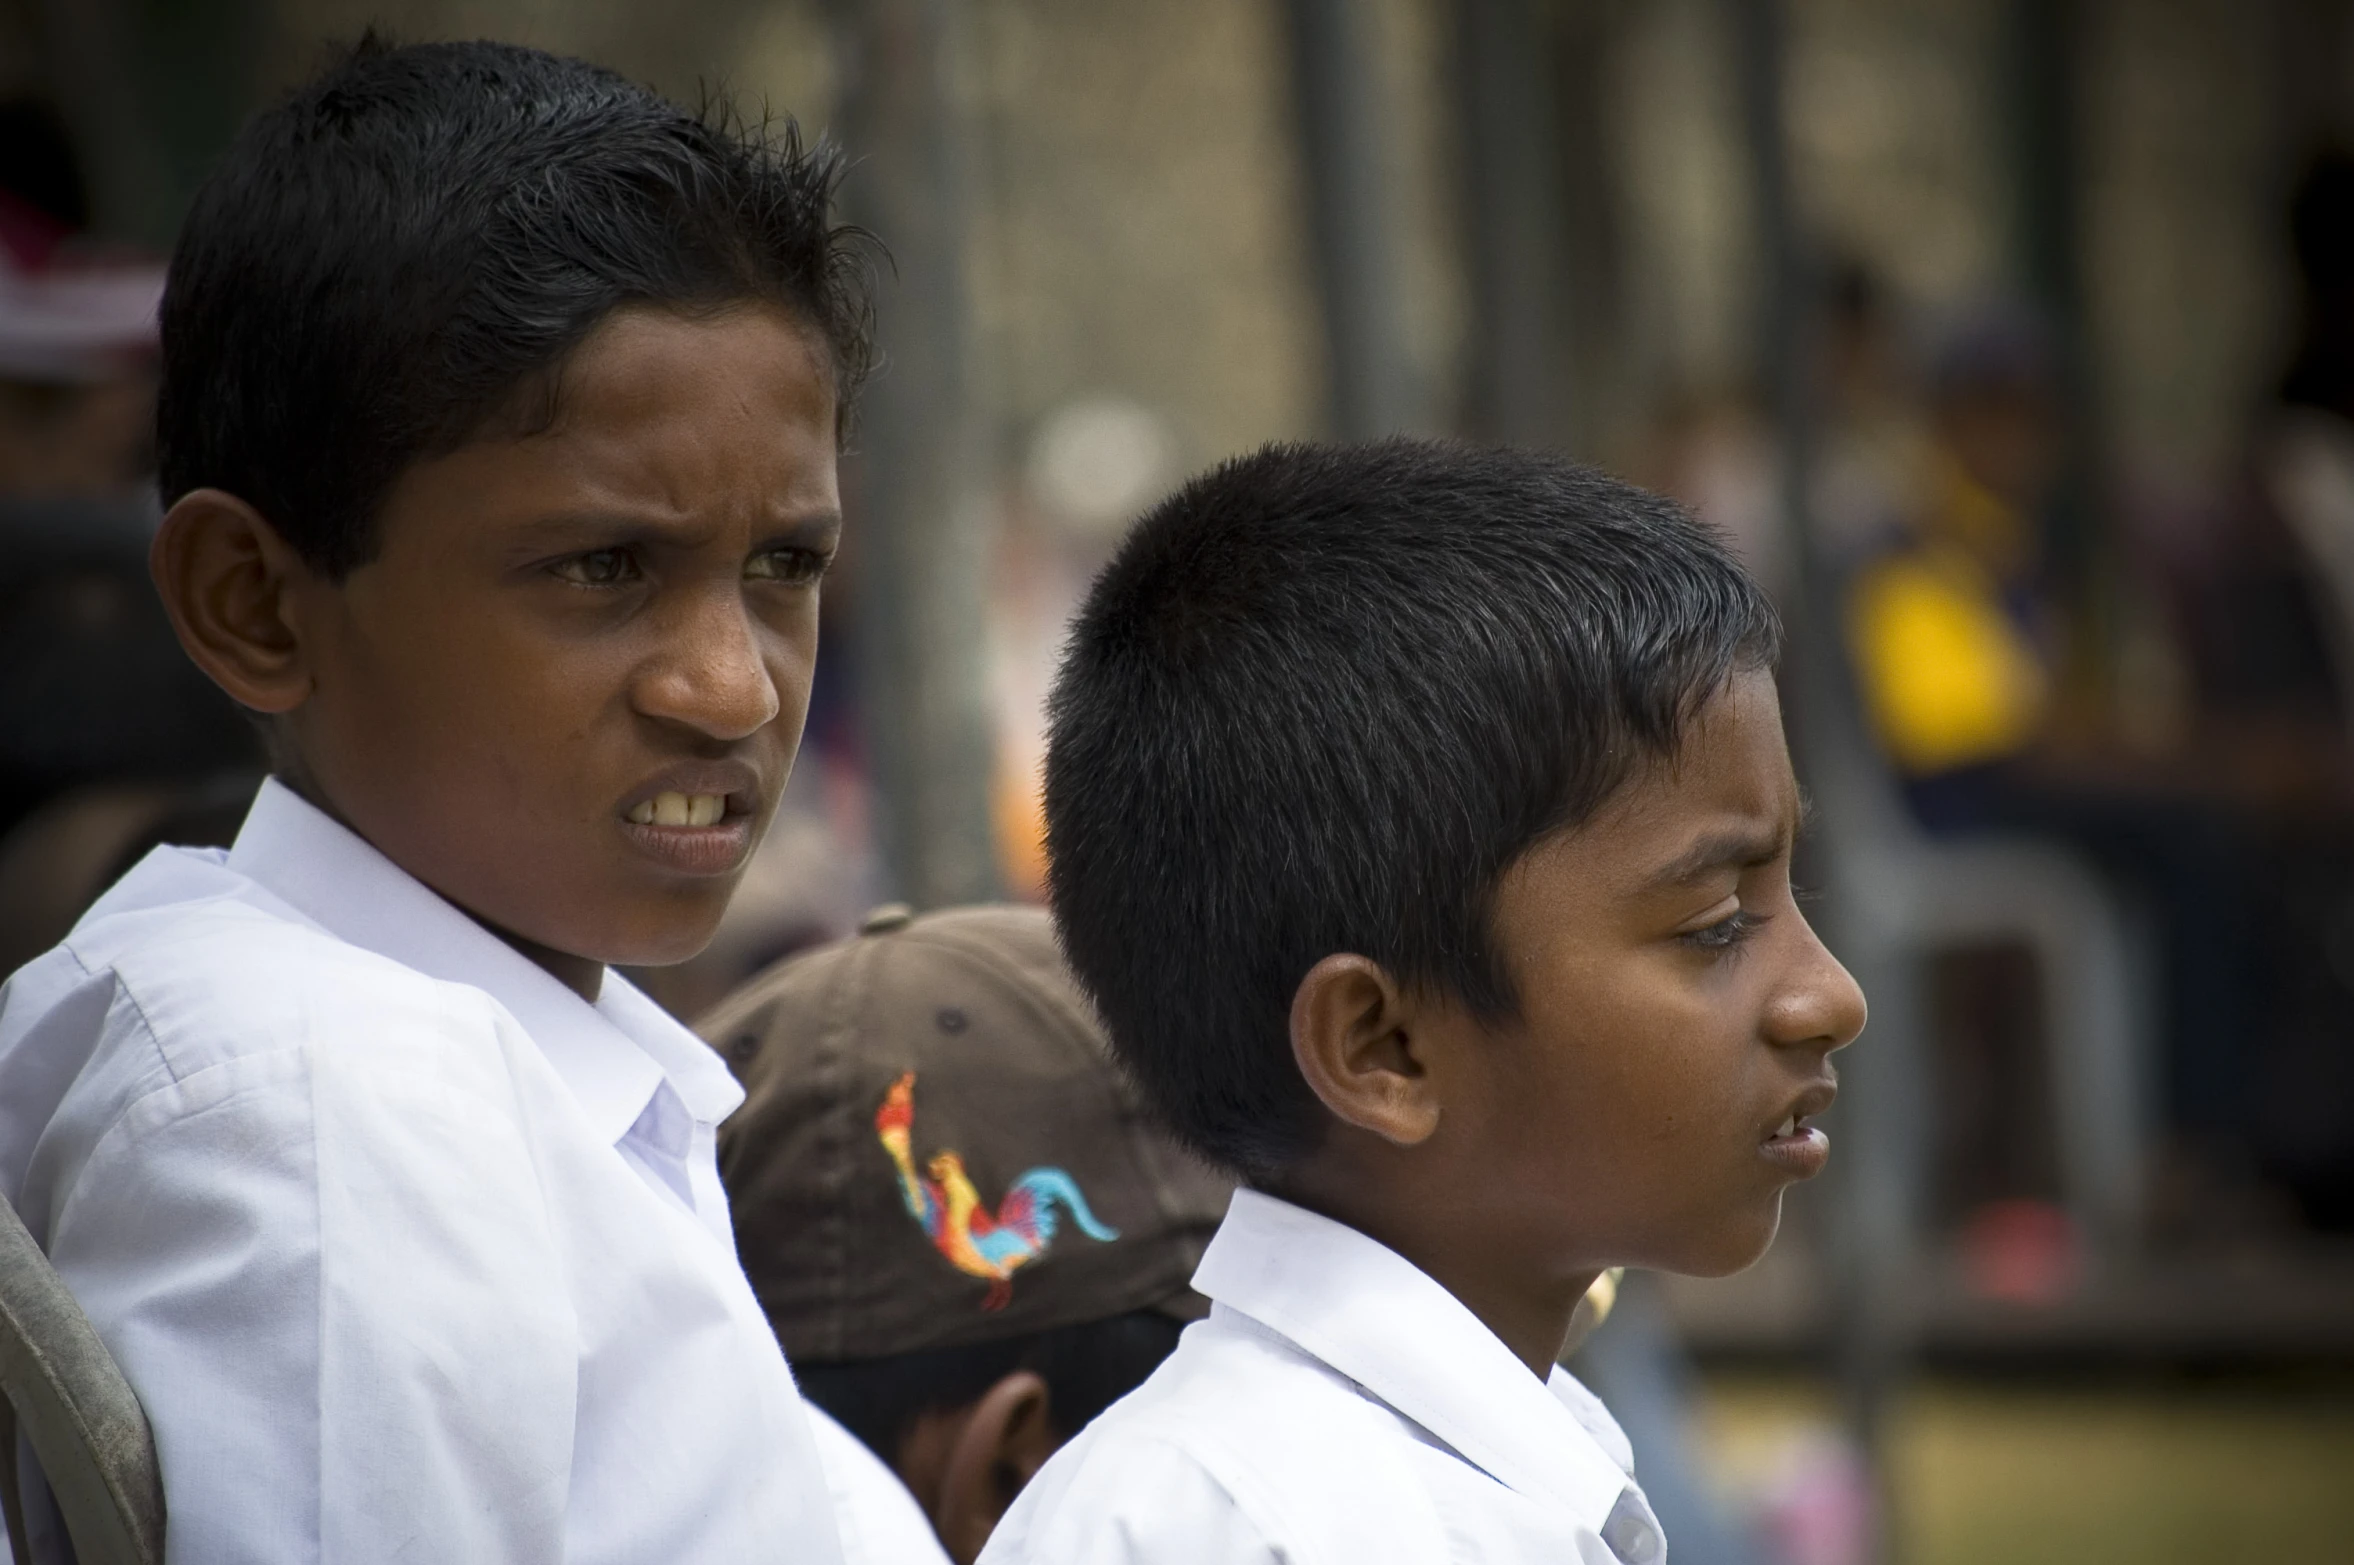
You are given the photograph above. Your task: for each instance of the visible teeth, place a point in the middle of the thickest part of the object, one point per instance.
(680, 809)
(1789, 1126)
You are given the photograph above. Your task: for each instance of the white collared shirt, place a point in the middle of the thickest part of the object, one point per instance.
(409, 1252)
(1338, 1407)
(881, 1521)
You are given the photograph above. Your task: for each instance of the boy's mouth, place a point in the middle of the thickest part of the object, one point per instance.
(696, 819)
(1795, 1144)
(679, 809)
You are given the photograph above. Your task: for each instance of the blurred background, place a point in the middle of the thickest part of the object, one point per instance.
(2012, 343)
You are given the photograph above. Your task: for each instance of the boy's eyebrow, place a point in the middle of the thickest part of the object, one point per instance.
(1731, 848)
(574, 529)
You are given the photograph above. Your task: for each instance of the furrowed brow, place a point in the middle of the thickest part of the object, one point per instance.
(1734, 848)
(596, 529)
(605, 529)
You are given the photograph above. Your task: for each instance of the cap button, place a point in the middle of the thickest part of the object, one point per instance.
(890, 916)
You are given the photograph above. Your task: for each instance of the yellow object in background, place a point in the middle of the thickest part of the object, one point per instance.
(1604, 1294)
(1947, 676)
(1017, 809)
(1593, 1309)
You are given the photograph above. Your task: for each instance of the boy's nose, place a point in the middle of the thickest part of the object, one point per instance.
(711, 674)
(1823, 1006)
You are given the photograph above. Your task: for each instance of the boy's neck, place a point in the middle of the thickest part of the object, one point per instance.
(582, 976)
(1529, 1311)
(579, 974)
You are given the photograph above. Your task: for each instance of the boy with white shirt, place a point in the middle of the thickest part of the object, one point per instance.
(1420, 823)
(498, 428)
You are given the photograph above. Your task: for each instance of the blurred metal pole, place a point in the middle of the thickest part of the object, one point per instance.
(1871, 1198)
(919, 481)
(2038, 100)
(2041, 104)
(1352, 218)
(1513, 193)
(1592, 302)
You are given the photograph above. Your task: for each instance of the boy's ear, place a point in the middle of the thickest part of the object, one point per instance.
(1352, 1034)
(1006, 1438)
(227, 580)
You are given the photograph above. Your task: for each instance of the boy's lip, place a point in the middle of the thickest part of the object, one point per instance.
(1791, 1142)
(1818, 1096)
(716, 848)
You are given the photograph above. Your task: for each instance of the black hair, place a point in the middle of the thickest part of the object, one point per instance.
(1087, 1367)
(2321, 221)
(411, 244)
(38, 164)
(2321, 233)
(1319, 701)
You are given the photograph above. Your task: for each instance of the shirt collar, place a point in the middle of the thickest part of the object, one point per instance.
(1374, 1316)
(613, 1055)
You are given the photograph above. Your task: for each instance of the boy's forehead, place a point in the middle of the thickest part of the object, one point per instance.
(631, 367)
(1727, 796)
(655, 421)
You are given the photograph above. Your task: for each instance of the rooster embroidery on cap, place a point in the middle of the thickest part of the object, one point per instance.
(975, 1241)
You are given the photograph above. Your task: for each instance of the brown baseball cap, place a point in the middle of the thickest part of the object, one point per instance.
(935, 1148)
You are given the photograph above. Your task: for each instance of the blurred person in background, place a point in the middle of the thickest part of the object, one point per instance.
(2272, 608)
(110, 739)
(77, 327)
(1956, 627)
(1971, 651)
(1716, 450)
(1963, 640)
(1875, 441)
(1713, 450)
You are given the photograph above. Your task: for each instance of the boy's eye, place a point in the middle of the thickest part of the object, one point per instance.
(792, 566)
(1725, 933)
(598, 568)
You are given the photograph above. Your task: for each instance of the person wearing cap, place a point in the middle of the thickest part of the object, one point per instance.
(966, 1231)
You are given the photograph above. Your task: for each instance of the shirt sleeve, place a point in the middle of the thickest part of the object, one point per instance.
(1131, 1502)
(329, 1275)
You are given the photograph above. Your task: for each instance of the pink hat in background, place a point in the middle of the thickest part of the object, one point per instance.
(65, 317)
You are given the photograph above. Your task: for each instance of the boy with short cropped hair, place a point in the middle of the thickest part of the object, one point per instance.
(1420, 822)
(498, 430)
(966, 1231)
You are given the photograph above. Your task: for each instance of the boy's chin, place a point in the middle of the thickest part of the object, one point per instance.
(662, 935)
(1735, 1247)
(665, 949)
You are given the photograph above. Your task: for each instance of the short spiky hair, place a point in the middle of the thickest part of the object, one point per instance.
(415, 240)
(1321, 699)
